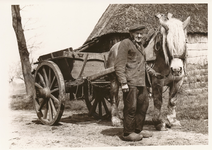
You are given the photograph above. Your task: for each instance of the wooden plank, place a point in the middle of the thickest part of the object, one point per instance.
(100, 74)
(73, 54)
(93, 67)
(55, 54)
(197, 46)
(198, 53)
(77, 66)
(83, 66)
(82, 55)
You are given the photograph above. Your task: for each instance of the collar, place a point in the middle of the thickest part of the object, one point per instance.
(139, 46)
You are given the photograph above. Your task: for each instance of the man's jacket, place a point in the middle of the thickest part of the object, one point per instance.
(130, 64)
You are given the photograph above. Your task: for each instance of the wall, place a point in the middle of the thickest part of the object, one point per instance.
(197, 49)
(197, 46)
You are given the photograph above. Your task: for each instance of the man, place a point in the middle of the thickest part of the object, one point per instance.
(130, 68)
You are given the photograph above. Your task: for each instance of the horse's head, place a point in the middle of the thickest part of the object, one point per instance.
(174, 42)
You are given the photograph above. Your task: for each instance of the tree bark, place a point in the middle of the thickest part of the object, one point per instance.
(23, 52)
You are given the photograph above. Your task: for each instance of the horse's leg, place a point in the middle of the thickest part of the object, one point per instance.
(157, 119)
(171, 116)
(115, 98)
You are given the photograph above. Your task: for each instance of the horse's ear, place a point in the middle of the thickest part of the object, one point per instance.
(162, 21)
(158, 15)
(186, 22)
(169, 15)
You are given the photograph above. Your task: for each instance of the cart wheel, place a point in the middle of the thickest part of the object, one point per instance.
(49, 95)
(98, 101)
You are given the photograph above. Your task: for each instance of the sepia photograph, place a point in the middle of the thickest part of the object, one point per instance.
(104, 74)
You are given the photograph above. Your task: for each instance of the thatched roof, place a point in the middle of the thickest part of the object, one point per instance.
(119, 17)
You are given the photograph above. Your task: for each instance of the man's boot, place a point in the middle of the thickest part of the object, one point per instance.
(132, 137)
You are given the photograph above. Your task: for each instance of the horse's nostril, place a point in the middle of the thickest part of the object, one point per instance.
(176, 71)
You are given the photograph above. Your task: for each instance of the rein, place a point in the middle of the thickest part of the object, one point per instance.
(152, 66)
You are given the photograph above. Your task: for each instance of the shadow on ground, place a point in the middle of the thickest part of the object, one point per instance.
(113, 132)
(84, 118)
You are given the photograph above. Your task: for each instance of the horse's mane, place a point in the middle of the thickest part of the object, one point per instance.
(173, 43)
(158, 39)
(175, 37)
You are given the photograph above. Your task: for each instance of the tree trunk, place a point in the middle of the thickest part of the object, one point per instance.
(24, 54)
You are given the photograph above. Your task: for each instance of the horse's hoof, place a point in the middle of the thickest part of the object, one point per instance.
(116, 121)
(176, 125)
(161, 127)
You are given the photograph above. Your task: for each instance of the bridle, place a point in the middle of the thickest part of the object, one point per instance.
(182, 57)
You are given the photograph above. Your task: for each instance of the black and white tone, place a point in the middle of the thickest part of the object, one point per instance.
(107, 75)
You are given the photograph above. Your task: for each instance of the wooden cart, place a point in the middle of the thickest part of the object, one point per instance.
(81, 74)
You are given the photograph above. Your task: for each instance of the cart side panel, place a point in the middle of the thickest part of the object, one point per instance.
(77, 64)
(66, 66)
(86, 64)
(73, 68)
(92, 67)
(77, 67)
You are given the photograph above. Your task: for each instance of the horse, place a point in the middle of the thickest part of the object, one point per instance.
(166, 53)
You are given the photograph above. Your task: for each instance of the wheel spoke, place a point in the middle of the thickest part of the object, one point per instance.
(49, 90)
(45, 77)
(54, 98)
(52, 82)
(93, 108)
(41, 79)
(49, 76)
(45, 111)
(38, 85)
(37, 103)
(53, 107)
(50, 111)
(55, 90)
(105, 106)
(100, 108)
(42, 104)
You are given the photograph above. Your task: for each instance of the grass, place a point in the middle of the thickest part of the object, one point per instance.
(192, 111)
(192, 100)
(192, 105)
(20, 102)
(193, 125)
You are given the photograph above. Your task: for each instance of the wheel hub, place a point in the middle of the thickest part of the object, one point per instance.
(45, 92)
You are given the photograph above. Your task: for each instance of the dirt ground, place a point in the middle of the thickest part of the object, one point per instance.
(79, 130)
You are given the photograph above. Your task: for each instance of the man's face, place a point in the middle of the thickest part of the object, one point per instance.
(138, 35)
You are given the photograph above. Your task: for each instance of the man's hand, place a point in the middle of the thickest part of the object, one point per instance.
(152, 72)
(125, 88)
(158, 75)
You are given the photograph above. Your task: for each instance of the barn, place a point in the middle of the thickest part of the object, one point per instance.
(115, 21)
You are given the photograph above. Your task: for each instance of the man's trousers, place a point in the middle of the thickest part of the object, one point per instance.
(136, 103)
